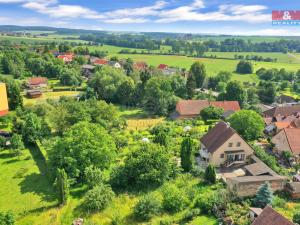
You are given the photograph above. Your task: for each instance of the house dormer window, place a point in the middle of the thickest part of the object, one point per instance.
(238, 144)
(230, 144)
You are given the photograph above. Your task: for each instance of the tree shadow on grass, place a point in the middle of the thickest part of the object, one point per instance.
(38, 158)
(38, 184)
(6, 155)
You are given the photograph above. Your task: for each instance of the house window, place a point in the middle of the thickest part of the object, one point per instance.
(230, 144)
(238, 144)
(222, 156)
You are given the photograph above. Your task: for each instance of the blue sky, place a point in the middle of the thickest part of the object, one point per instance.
(245, 17)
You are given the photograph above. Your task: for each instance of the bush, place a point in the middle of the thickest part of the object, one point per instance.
(278, 202)
(210, 175)
(93, 176)
(174, 200)
(189, 215)
(205, 202)
(98, 198)
(7, 218)
(244, 67)
(147, 207)
(148, 165)
(296, 218)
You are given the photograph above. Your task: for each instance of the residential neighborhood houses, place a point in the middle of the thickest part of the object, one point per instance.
(237, 165)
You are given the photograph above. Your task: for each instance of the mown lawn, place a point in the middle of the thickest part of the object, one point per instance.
(24, 189)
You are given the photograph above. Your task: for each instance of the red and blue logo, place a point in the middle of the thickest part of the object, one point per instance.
(286, 17)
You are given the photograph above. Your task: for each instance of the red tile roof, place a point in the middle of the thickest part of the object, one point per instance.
(140, 65)
(66, 57)
(194, 107)
(227, 105)
(101, 62)
(37, 80)
(293, 137)
(162, 66)
(270, 217)
(191, 107)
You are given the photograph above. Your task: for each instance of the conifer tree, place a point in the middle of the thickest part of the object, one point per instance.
(186, 154)
(62, 186)
(210, 175)
(263, 196)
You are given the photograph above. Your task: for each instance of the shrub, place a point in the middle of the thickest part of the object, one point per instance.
(148, 165)
(210, 174)
(7, 218)
(147, 207)
(93, 176)
(278, 202)
(205, 202)
(189, 215)
(296, 218)
(174, 200)
(98, 198)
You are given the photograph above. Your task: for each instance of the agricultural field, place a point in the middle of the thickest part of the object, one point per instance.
(30, 40)
(281, 57)
(112, 50)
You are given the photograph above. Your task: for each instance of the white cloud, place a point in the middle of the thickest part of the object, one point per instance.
(158, 12)
(127, 20)
(245, 13)
(142, 11)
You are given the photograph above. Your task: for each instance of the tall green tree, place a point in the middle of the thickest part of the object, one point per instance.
(199, 73)
(15, 99)
(236, 92)
(191, 86)
(31, 129)
(244, 67)
(83, 145)
(147, 166)
(249, 124)
(62, 186)
(186, 154)
(159, 96)
(263, 196)
(267, 92)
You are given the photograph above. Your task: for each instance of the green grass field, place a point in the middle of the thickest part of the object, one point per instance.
(281, 57)
(24, 189)
(213, 66)
(30, 40)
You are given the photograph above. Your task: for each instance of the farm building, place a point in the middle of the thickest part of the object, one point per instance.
(34, 93)
(37, 82)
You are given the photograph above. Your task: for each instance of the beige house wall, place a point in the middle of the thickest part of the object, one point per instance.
(216, 159)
